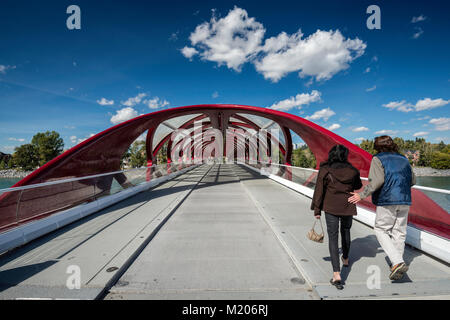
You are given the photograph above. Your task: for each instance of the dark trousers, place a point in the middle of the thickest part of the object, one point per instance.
(333, 237)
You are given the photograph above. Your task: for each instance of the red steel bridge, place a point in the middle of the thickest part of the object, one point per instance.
(229, 168)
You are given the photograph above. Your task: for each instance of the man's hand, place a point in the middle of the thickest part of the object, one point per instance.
(317, 217)
(355, 198)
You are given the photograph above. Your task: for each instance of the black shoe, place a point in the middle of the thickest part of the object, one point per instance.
(337, 284)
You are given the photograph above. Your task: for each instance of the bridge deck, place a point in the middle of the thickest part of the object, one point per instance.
(215, 232)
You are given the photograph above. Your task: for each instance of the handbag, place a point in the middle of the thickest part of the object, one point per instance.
(313, 235)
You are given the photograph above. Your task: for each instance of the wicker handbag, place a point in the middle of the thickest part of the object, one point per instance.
(313, 235)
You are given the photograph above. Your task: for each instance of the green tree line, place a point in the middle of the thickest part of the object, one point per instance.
(43, 147)
(419, 152)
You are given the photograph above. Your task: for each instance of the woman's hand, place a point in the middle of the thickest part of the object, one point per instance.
(355, 198)
(317, 217)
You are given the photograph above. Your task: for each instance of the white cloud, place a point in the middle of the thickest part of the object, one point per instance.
(423, 104)
(4, 68)
(156, 103)
(297, 101)
(321, 55)
(232, 40)
(124, 115)
(418, 33)
(420, 134)
(134, 100)
(399, 105)
(371, 89)
(76, 140)
(441, 124)
(387, 132)
(16, 139)
(189, 52)
(360, 129)
(105, 102)
(334, 126)
(428, 103)
(360, 139)
(215, 95)
(367, 70)
(322, 114)
(237, 39)
(418, 19)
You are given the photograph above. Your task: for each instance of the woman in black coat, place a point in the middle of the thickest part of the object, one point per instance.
(336, 179)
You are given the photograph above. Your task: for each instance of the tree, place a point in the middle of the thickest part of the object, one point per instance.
(138, 154)
(49, 145)
(2, 165)
(368, 146)
(26, 157)
(440, 160)
(304, 158)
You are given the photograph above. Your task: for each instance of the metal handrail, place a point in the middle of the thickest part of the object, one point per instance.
(445, 191)
(44, 184)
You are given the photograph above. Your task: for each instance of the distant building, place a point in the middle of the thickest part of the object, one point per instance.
(297, 145)
(413, 156)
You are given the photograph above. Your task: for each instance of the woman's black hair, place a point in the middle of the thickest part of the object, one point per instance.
(338, 153)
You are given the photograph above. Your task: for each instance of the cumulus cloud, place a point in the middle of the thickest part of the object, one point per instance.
(105, 102)
(420, 134)
(423, 104)
(156, 103)
(428, 103)
(418, 19)
(189, 52)
(441, 124)
(334, 126)
(124, 115)
(134, 100)
(321, 55)
(399, 105)
(360, 129)
(298, 101)
(237, 39)
(232, 40)
(324, 114)
(387, 132)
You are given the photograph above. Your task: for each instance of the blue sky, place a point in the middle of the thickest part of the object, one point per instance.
(315, 59)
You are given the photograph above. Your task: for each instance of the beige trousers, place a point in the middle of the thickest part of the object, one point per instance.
(390, 229)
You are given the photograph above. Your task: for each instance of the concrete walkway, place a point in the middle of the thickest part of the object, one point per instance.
(216, 232)
(101, 245)
(217, 245)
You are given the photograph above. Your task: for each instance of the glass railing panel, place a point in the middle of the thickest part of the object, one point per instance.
(8, 208)
(47, 199)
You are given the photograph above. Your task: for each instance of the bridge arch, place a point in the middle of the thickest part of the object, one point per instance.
(102, 152)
